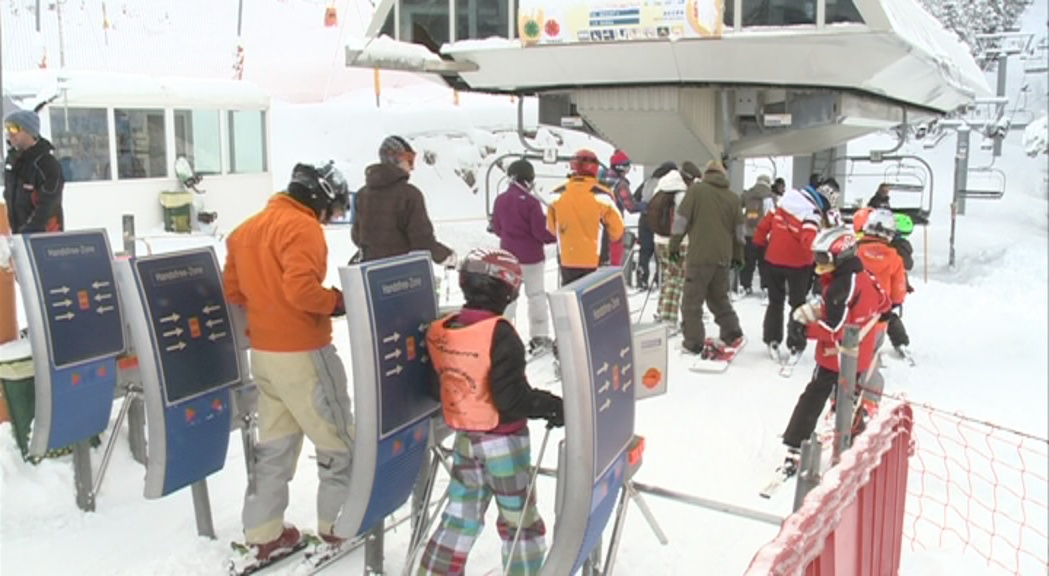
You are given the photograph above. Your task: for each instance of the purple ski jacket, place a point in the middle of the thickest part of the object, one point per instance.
(519, 222)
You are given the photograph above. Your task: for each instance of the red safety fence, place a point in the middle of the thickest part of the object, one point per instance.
(852, 523)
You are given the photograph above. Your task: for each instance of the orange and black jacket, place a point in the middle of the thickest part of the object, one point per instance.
(276, 262)
(578, 217)
(479, 363)
(885, 263)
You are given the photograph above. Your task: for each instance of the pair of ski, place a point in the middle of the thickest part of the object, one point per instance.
(318, 556)
(787, 360)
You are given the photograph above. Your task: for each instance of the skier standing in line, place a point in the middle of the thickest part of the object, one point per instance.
(851, 295)
(757, 201)
(275, 266)
(897, 332)
(480, 364)
(581, 214)
(519, 222)
(673, 282)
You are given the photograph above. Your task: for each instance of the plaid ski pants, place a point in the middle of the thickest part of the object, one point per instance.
(486, 465)
(673, 284)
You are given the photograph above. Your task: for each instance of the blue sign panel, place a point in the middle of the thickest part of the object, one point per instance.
(397, 464)
(602, 503)
(81, 400)
(401, 303)
(190, 324)
(606, 322)
(196, 435)
(75, 286)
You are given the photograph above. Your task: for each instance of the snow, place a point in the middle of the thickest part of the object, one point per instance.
(979, 332)
(385, 48)
(1036, 137)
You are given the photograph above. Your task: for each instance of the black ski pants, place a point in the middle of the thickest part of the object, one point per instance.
(790, 285)
(897, 331)
(569, 275)
(707, 283)
(753, 258)
(810, 405)
(647, 240)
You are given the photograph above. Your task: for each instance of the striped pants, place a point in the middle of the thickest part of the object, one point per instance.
(673, 284)
(486, 465)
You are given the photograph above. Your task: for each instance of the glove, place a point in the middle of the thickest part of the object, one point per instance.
(340, 304)
(490, 229)
(549, 407)
(451, 261)
(808, 312)
(910, 289)
(5, 253)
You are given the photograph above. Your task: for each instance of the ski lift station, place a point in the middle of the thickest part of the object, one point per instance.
(117, 138)
(696, 79)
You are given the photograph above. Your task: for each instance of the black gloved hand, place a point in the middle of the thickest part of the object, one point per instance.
(555, 418)
(549, 407)
(340, 304)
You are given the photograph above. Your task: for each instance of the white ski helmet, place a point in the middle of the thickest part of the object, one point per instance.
(880, 223)
(832, 246)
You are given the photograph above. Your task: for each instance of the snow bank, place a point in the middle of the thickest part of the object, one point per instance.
(1036, 137)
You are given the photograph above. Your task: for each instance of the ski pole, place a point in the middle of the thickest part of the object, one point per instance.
(447, 287)
(527, 500)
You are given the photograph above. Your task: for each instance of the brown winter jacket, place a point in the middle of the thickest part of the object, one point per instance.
(391, 217)
(715, 222)
(275, 264)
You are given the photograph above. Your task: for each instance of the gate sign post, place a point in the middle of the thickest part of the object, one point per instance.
(188, 359)
(76, 331)
(393, 302)
(592, 324)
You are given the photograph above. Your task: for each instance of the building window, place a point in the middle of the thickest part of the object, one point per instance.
(141, 144)
(424, 22)
(839, 11)
(479, 19)
(81, 140)
(197, 138)
(247, 141)
(777, 12)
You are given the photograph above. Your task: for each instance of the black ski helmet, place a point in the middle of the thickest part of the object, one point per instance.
(521, 171)
(321, 187)
(490, 279)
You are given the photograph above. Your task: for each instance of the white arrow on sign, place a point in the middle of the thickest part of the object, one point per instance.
(216, 335)
(60, 290)
(214, 322)
(396, 370)
(423, 326)
(102, 296)
(176, 347)
(604, 388)
(99, 284)
(104, 309)
(602, 369)
(607, 404)
(173, 317)
(212, 308)
(62, 303)
(629, 383)
(624, 352)
(624, 369)
(66, 316)
(391, 338)
(395, 354)
(176, 332)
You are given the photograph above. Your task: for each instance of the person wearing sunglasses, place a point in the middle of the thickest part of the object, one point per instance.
(33, 179)
(391, 212)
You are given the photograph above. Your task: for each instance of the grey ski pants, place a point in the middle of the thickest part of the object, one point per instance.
(300, 394)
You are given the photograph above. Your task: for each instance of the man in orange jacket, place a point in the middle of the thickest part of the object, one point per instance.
(275, 268)
(578, 217)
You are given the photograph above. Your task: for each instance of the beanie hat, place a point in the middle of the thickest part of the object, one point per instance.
(716, 166)
(765, 179)
(393, 149)
(691, 171)
(619, 159)
(27, 120)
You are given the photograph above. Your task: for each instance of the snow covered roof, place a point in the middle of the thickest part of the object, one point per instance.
(110, 89)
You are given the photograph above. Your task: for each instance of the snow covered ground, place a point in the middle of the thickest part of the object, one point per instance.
(979, 330)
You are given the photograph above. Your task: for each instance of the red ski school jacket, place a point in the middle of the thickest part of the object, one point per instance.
(851, 295)
(787, 232)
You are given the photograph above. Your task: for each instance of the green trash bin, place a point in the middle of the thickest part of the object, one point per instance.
(16, 377)
(178, 210)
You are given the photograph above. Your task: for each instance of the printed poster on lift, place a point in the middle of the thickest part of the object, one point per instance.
(576, 21)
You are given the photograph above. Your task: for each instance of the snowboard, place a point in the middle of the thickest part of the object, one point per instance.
(719, 364)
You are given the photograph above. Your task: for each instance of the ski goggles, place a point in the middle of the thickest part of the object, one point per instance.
(12, 128)
(824, 258)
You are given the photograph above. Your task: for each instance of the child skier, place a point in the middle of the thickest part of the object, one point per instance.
(480, 363)
(850, 295)
(897, 332)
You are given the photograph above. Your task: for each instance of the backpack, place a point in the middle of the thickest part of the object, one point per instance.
(753, 211)
(660, 212)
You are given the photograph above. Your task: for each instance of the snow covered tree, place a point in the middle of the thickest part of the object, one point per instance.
(968, 18)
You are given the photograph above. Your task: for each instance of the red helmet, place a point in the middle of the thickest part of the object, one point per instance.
(584, 163)
(859, 219)
(619, 161)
